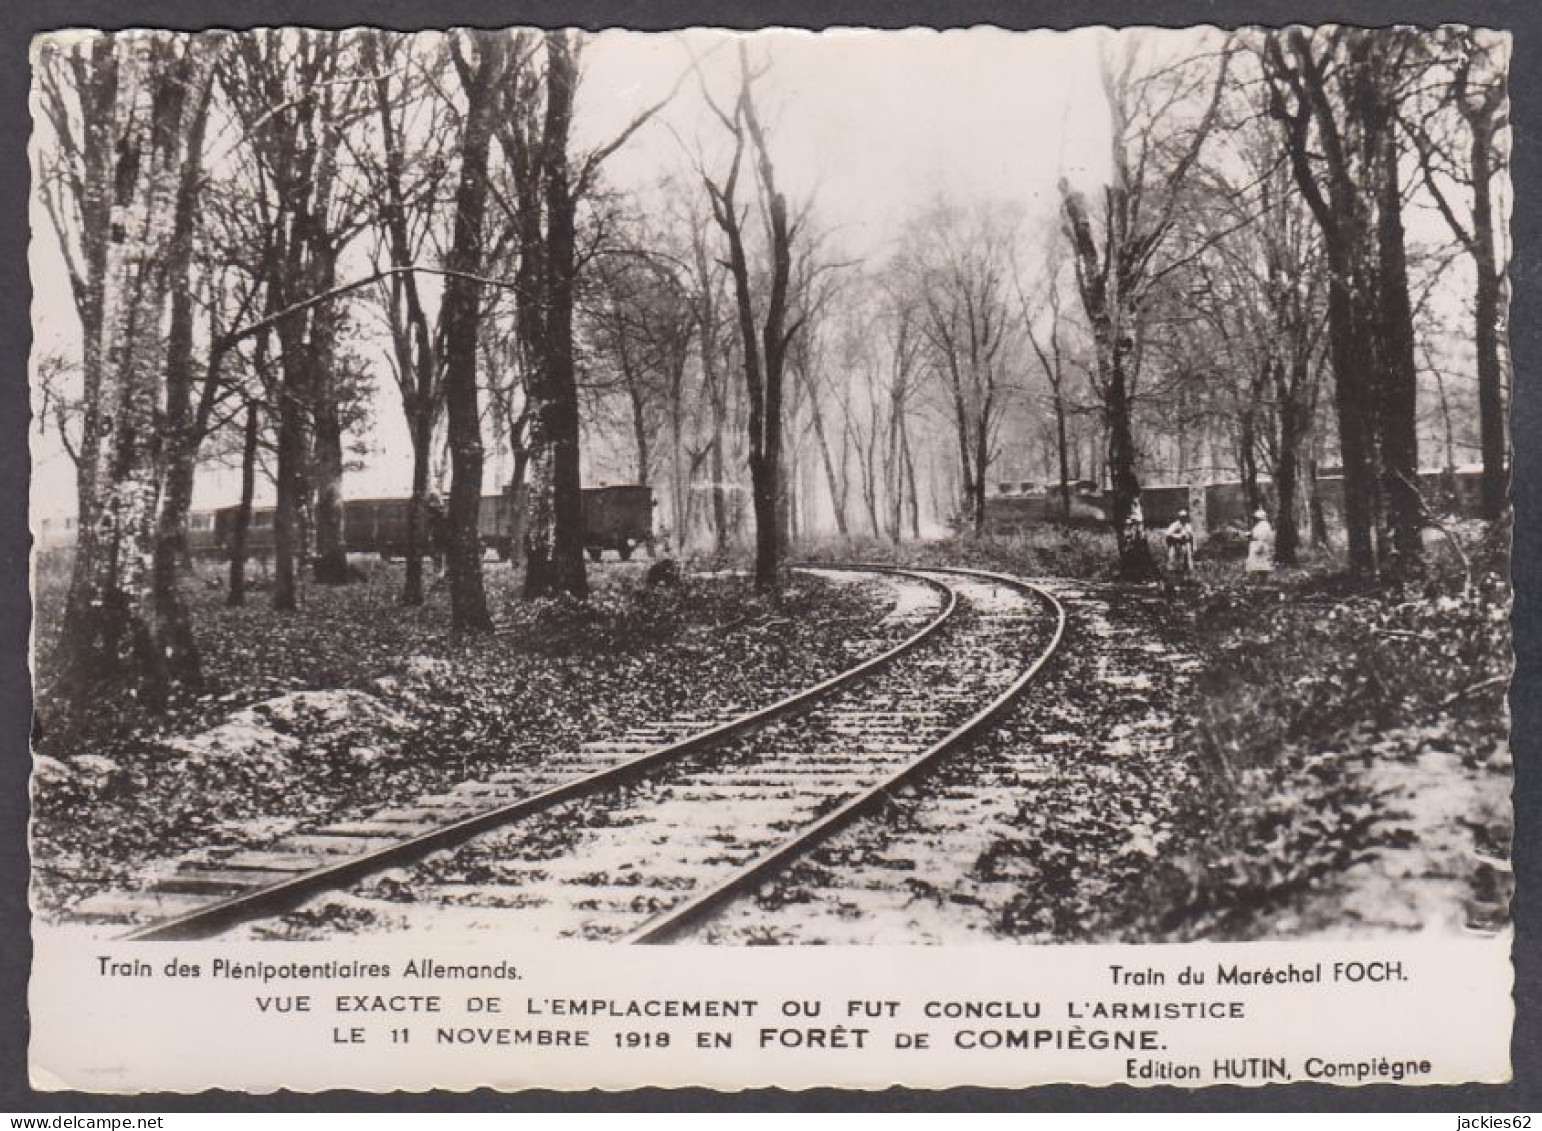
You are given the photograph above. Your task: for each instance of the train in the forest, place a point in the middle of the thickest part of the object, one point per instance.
(615, 518)
(1018, 507)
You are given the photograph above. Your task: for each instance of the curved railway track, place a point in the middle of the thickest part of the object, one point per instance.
(648, 847)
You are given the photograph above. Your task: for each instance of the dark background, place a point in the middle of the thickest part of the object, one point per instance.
(20, 19)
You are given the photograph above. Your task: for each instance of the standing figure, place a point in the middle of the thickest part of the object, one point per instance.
(1260, 562)
(438, 530)
(1180, 546)
(1135, 525)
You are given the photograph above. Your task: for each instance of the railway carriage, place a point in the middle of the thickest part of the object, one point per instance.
(618, 518)
(1213, 506)
(379, 526)
(259, 532)
(1161, 502)
(615, 518)
(1012, 513)
(496, 522)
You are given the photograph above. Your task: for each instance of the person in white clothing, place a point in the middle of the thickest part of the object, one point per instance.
(1260, 563)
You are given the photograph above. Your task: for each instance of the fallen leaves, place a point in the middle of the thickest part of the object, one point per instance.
(355, 703)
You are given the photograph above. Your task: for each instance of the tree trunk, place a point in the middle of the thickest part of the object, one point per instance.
(331, 566)
(1109, 307)
(764, 493)
(90, 66)
(422, 444)
(331, 547)
(1342, 213)
(827, 461)
(116, 634)
(236, 597)
(1491, 411)
(719, 496)
(981, 487)
(181, 436)
(461, 319)
(1247, 460)
(1060, 447)
(1287, 476)
(519, 495)
(293, 476)
(1398, 395)
(763, 349)
(1315, 509)
(1135, 561)
(639, 433)
(1351, 364)
(554, 542)
(910, 486)
(894, 471)
(677, 485)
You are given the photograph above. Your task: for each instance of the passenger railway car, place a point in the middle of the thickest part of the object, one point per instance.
(203, 533)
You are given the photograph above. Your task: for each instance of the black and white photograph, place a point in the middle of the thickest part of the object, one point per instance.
(774, 489)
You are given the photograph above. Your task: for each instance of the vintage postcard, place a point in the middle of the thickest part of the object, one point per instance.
(704, 558)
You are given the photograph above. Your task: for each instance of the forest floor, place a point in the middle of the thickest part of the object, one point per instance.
(1358, 760)
(357, 703)
(1341, 751)
(1309, 757)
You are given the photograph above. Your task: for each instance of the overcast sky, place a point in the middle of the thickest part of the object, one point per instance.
(871, 124)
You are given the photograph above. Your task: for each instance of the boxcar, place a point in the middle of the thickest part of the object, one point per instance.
(618, 518)
(1160, 503)
(379, 526)
(495, 522)
(1008, 515)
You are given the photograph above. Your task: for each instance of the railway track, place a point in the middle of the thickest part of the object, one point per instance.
(674, 825)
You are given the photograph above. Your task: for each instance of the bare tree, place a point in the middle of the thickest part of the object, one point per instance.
(77, 86)
(711, 330)
(121, 629)
(292, 96)
(807, 358)
(1478, 92)
(1052, 363)
(1335, 94)
(58, 406)
(1278, 290)
(641, 323)
(484, 62)
(550, 185)
(406, 184)
(960, 265)
(1122, 255)
(764, 338)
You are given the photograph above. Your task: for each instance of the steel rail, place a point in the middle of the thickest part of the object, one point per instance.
(283, 895)
(669, 925)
